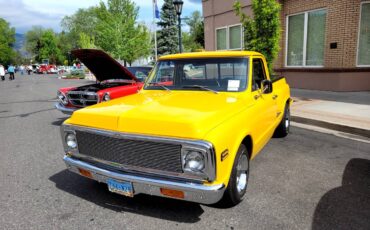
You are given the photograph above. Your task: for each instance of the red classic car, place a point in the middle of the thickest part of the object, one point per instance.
(113, 81)
(47, 69)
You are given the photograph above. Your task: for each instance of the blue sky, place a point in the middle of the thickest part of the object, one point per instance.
(23, 14)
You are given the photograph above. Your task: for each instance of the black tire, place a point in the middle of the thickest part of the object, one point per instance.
(234, 195)
(283, 129)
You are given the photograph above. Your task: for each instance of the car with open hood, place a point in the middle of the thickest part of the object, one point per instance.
(112, 81)
(189, 134)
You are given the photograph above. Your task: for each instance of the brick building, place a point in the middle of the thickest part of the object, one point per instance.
(325, 44)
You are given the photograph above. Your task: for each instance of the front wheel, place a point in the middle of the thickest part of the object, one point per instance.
(283, 129)
(238, 182)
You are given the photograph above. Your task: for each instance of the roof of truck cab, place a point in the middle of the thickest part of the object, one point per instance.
(211, 54)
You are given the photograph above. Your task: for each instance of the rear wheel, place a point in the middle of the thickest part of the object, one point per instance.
(283, 129)
(238, 182)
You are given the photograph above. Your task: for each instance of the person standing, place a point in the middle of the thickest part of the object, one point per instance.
(21, 68)
(11, 71)
(2, 72)
(29, 69)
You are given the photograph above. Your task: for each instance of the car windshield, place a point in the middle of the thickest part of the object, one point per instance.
(211, 74)
(140, 73)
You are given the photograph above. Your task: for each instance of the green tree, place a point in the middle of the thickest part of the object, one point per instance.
(33, 43)
(194, 39)
(83, 21)
(44, 44)
(168, 32)
(86, 41)
(7, 39)
(49, 47)
(196, 24)
(189, 43)
(66, 42)
(262, 33)
(118, 32)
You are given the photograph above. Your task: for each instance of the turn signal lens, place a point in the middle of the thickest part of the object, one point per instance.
(172, 193)
(85, 173)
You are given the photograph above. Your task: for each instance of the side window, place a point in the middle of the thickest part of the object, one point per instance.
(258, 74)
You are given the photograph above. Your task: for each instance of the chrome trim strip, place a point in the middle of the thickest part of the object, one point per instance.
(210, 171)
(59, 106)
(193, 192)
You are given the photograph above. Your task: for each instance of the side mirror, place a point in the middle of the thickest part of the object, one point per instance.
(266, 86)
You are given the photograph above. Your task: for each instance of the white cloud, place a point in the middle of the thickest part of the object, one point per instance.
(23, 14)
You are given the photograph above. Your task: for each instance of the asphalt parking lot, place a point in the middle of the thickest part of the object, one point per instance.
(308, 180)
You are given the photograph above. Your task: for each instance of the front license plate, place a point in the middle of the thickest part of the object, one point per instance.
(120, 187)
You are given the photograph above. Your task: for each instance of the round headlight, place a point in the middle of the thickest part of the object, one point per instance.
(106, 97)
(194, 161)
(71, 141)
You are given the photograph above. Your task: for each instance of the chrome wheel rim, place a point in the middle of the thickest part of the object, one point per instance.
(242, 173)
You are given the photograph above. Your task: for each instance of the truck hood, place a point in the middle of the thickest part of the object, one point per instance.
(181, 114)
(103, 66)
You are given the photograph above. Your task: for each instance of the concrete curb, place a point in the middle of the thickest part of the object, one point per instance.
(328, 125)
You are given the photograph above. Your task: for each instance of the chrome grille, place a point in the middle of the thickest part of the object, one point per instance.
(82, 99)
(127, 152)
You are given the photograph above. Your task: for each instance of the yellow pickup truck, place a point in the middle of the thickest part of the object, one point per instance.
(189, 134)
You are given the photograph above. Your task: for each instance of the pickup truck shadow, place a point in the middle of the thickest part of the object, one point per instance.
(59, 122)
(348, 206)
(157, 207)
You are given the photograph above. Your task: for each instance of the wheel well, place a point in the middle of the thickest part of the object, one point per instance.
(289, 101)
(247, 141)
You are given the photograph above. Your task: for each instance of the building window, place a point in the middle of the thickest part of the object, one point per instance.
(306, 39)
(363, 53)
(221, 39)
(235, 35)
(229, 38)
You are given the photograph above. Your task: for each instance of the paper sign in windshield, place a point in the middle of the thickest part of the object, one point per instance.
(233, 85)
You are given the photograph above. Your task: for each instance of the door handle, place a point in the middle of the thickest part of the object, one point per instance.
(275, 96)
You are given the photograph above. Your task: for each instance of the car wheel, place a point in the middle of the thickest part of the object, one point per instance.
(238, 182)
(283, 129)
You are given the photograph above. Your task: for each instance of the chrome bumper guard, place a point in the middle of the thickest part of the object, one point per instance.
(59, 106)
(193, 192)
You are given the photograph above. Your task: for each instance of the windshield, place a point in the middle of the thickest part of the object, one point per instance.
(212, 74)
(140, 73)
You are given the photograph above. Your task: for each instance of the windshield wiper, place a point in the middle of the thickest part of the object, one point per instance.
(157, 84)
(200, 87)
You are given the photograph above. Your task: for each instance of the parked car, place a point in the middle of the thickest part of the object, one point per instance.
(35, 68)
(47, 69)
(113, 81)
(189, 134)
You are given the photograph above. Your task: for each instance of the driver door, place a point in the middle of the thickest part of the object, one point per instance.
(264, 105)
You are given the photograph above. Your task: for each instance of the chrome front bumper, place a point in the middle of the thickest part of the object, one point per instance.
(59, 106)
(198, 193)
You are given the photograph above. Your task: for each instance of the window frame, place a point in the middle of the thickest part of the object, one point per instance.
(305, 29)
(263, 69)
(228, 37)
(358, 35)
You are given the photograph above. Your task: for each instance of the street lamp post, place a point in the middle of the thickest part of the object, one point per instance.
(178, 7)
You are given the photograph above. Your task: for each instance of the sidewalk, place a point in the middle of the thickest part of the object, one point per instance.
(350, 113)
